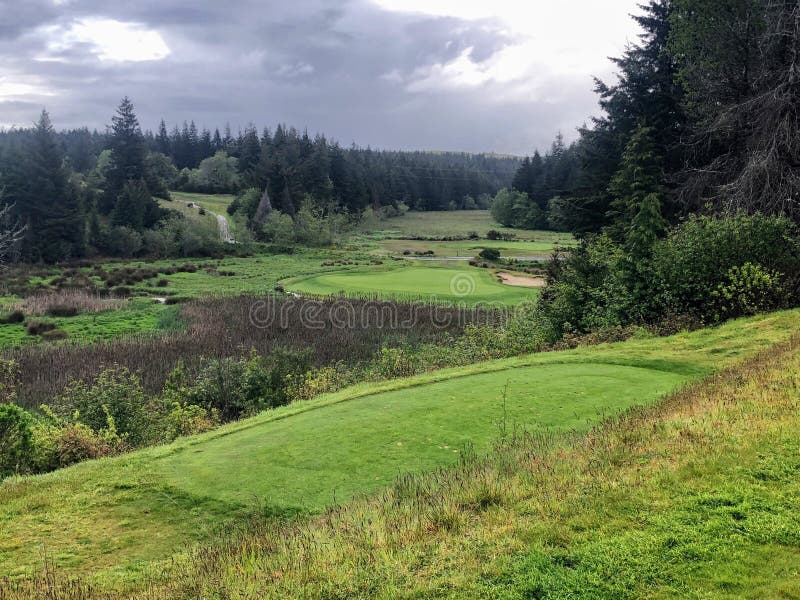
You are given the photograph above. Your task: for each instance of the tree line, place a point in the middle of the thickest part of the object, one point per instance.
(79, 192)
(685, 190)
(703, 117)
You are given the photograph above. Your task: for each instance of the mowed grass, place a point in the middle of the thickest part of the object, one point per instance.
(694, 497)
(113, 518)
(541, 248)
(456, 223)
(216, 203)
(446, 282)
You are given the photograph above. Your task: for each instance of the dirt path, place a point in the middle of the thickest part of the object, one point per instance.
(222, 224)
(521, 280)
(224, 229)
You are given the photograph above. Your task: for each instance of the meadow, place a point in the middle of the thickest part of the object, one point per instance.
(118, 519)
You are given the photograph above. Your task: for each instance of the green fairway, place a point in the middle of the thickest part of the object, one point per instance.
(216, 203)
(454, 223)
(424, 281)
(113, 517)
(539, 248)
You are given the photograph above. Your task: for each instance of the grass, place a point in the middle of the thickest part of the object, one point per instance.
(139, 315)
(434, 224)
(114, 519)
(539, 248)
(216, 203)
(695, 497)
(426, 281)
(252, 275)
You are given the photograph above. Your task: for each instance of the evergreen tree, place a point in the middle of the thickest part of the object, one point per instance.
(640, 175)
(127, 152)
(162, 140)
(133, 205)
(125, 181)
(45, 199)
(647, 92)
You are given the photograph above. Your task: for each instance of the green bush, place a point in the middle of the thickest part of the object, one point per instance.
(696, 258)
(115, 400)
(16, 440)
(238, 388)
(490, 254)
(749, 290)
(58, 445)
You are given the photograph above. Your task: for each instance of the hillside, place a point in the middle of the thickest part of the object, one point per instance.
(110, 519)
(695, 498)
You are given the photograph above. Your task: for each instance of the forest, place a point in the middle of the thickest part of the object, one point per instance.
(79, 192)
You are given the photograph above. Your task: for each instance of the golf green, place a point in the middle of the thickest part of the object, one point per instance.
(429, 282)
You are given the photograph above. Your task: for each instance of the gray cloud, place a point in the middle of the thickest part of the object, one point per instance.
(343, 68)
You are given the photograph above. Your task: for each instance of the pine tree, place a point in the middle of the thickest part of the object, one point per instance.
(132, 207)
(162, 139)
(640, 175)
(648, 92)
(127, 148)
(127, 174)
(46, 200)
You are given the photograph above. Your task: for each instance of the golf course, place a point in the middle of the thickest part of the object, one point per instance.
(413, 282)
(118, 518)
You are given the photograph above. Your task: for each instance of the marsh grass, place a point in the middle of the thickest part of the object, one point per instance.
(222, 327)
(67, 303)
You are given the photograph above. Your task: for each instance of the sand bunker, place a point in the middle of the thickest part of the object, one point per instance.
(521, 280)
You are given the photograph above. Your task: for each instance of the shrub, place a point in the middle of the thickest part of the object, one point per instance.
(313, 383)
(696, 258)
(16, 439)
(491, 254)
(236, 388)
(117, 397)
(57, 445)
(189, 419)
(39, 327)
(396, 362)
(13, 318)
(62, 310)
(749, 290)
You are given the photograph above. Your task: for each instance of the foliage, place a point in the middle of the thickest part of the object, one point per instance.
(113, 402)
(490, 254)
(237, 388)
(711, 269)
(515, 209)
(696, 258)
(16, 439)
(750, 290)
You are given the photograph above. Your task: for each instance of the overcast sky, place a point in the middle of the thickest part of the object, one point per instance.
(472, 75)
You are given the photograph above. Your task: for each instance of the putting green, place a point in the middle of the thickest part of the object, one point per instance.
(430, 282)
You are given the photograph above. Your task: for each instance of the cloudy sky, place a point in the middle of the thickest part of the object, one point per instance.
(473, 75)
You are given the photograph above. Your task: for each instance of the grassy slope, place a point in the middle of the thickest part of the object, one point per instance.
(471, 248)
(392, 235)
(114, 516)
(216, 203)
(693, 498)
(457, 223)
(449, 282)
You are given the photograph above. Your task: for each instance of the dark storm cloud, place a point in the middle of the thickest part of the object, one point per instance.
(346, 69)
